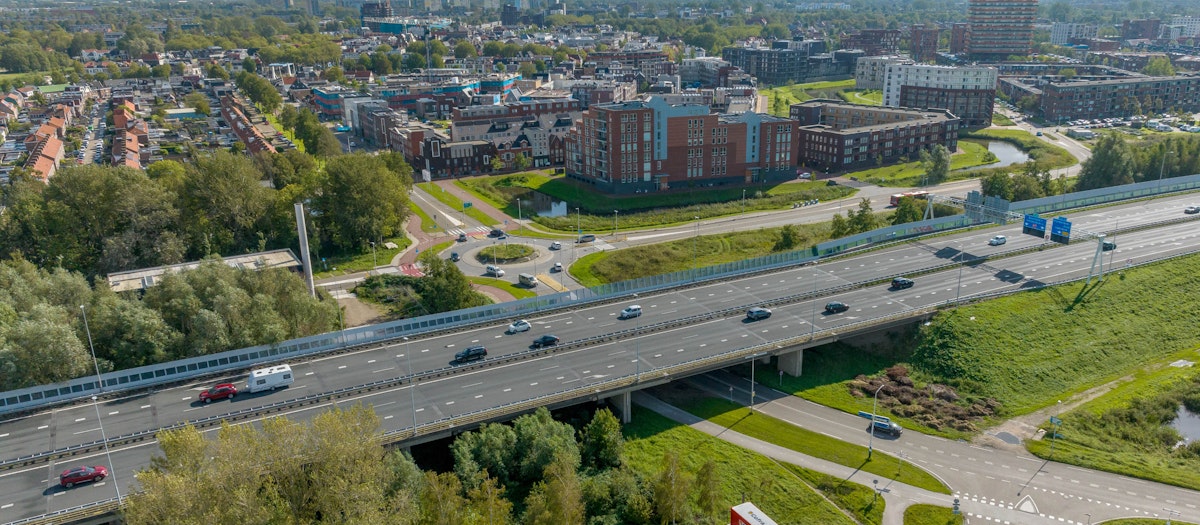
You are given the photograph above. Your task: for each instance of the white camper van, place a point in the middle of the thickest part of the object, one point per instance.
(269, 378)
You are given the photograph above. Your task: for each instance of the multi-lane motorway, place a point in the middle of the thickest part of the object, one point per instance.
(30, 491)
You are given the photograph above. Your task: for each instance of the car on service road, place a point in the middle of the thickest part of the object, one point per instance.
(221, 391)
(901, 283)
(836, 307)
(757, 313)
(470, 354)
(998, 240)
(519, 326)
(545, 340)
(462, 237)
(76, 475)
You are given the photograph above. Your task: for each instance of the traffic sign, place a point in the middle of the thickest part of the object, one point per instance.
(1055, 421)
(466, 205)
(1060, 230)
(1034, 225)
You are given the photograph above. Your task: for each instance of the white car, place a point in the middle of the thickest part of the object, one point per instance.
(998, 240)
(630, 312)
(555, 245)
(519, 326)
(494, 271)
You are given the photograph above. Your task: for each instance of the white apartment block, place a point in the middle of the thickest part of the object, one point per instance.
(1190, 25)
(869, 72)
(1061, 33)
(934, 77)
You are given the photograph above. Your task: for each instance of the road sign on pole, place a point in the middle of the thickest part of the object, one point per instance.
(1034, 225)
(1060, 230)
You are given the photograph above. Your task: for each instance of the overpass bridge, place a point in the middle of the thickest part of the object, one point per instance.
(420, 395)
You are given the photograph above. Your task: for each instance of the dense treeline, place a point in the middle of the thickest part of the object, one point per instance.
(537, 471)
(98, 220)
(316, 137)
(259, 90)
(1115, 161)
(214, 308)
(443, 288)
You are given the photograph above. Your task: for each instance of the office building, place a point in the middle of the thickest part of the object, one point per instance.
(967, 92)
(377, 9)
(1000, 28)
(1190, 25)
(839, 136)
(652, 145)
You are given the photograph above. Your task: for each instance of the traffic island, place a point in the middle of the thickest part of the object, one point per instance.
(506, 254)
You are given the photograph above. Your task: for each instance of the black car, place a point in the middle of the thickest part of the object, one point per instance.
(1108, 246)
(901, 283)
(496, 232)
(462, 237)
(757, 313)
(545, 340)
(454, 257)
(836, 307)
(470, 354)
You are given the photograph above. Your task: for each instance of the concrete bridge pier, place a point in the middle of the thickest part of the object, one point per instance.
(623, 406)
(792, 363)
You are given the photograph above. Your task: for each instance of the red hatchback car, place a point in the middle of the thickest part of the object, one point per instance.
(221, 391)
(74, 476)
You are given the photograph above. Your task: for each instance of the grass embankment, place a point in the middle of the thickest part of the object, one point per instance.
(437, 248)
(766, 428)
(359, 262)
(780, 98)
(1144, 521)
(638, 211)
(867, 97)
(743, 475)
(456, 204)
(1046, 155)
(922, 514)
(427, 223)
(517, 292)
(504, 253)
(1028, 351)
(1001, 120)
(908, 174)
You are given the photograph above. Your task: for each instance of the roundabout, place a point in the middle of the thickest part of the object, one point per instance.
(506, 253)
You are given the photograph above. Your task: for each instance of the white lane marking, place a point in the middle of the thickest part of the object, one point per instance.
(341, 367)
(43, 427)
(507, 390)
(86, 431)
(309, 373)
(478, 396)
(387, 417)
(85, 419)
(4, 435)
(370, 361)
(449, 403)
(472, 384)
(113, 413)
(419, 410)
(6, 505)
(145, 407)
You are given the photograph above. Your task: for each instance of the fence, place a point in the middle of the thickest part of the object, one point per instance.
(152, 375)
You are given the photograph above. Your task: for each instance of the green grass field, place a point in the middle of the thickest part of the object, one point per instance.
(744, 475)
(922, 514)
(456, 204)
(437, 248)
(518, 292)
(859, 500)
(359, 262)
(739, 419)
(427, 224)
(1001, 120)
(796, 93)
(638, 211)
(1047, 156)
(504, 253)
(908, 174)
(869, 97)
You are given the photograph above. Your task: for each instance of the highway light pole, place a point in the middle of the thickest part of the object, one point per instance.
(637, 347)
(518, 211)
(412, 387)
(694, 238)
(1163, 165)
(958, 289)
(812, 334)
(112, 469)
(874, 404)
(578, 223)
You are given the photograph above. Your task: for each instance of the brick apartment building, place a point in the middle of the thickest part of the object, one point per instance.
(838, 136)
(797, 61)
(874, 42)
(1000, 28)
(967, 92)
(1070, 100)
(1143, 28)
(958, 37)
(643, 146)
(923, 42)
(534, 128)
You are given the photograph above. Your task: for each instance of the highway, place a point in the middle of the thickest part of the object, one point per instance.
(29, 491)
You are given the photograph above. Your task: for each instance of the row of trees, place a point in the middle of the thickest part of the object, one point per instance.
(316, 137)
(259, 90)
(211, 309)
(100, 219)
(1115, 162)
(537, 470)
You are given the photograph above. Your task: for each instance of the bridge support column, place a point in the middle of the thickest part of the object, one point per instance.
(792, 363)
(623, 405)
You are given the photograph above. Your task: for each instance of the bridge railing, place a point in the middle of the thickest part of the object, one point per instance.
(246, 358)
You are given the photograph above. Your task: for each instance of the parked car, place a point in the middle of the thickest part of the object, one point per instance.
(998, 240)
(472, 353)
(757, 313)
(221, 391)
(836, 307)
(76, 475)
(630, 312)
(901, 283)
(519, 326)
(545, 340)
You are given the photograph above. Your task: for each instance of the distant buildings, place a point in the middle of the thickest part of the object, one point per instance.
(1062, 101)
(838, 136)
(1000, 28)
(958, 37)
(643, 146)
(869, 72)
(794, 61)
(874, 42)
(923, 42)
(1062, 33)
(967, 92)
(1189, 25)
(1140, 29)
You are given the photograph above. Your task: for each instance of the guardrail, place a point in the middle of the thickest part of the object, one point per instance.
(245, 358)
(612, 386)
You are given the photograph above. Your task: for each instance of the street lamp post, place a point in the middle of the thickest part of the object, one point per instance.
(614, 223)
(112, 469)
(1170, 513)
(743, 201)
(874, 404)
(412, 388)
(958, 289)
(518, 210)
(812, 334)
(578, 224)
(752, 360)
(694, 238)
(374, 257)
(1163, 165)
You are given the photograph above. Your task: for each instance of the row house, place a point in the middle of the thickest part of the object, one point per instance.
(839, 136)
(652, 145)
(245, 130)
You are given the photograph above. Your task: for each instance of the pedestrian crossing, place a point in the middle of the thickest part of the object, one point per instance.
(473, 231)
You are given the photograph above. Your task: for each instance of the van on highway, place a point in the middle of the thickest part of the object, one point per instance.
(270, 378)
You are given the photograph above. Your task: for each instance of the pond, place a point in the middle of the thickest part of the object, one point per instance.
(543, 205)
(1187, 424)
(1007, 154)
